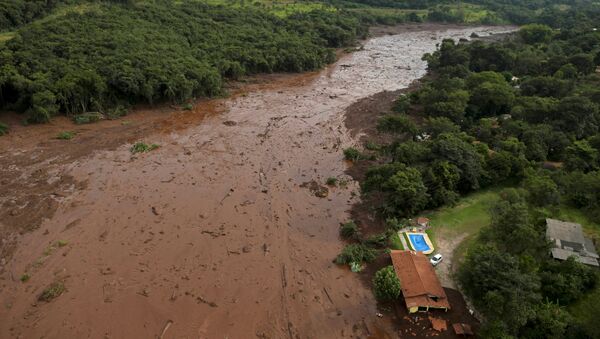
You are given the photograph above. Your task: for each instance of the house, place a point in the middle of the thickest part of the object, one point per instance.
(421, 287)
(568, 240)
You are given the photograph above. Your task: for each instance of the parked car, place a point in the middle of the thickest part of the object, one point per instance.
(436, 259)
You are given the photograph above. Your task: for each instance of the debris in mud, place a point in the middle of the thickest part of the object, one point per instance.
(204, 301)
(230, 123)
(155, 211)
(316, 189)
(51, 292)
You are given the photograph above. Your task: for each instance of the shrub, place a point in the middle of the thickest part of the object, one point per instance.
(349, 230)
(386, 285)
(3, 129)
(352, 154)
(188, 107)
(140, 147)
(117, 112)
(25, 277)
(331, 181)
(87, 118)
(53, 291)
(66, 135)
(356, 253)
(377, 240)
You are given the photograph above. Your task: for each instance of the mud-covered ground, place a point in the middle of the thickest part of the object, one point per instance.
(225, 231)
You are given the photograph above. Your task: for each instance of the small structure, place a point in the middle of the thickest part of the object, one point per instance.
(439, 325)
(421, 287)
(462, 329)
(568, 240)
(422, 221)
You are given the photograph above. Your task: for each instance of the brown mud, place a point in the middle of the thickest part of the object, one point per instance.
(212, 234)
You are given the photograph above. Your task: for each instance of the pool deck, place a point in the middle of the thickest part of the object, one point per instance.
(409, 232)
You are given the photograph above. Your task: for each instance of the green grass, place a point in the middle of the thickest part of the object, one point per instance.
(586, 312)
(470, 214)
(280, 8)
(395, 242)
(4, 37)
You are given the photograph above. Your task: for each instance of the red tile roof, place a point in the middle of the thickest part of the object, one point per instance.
(420, 285)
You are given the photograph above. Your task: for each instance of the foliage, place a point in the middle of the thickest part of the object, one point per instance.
(115, 52)
(331, 181)
(356, 253)
(87, 118)
(53, 291)
(140, 147)
(352, 154)
(349, 230)
(386, 285)
(65, 135)
(3, 129)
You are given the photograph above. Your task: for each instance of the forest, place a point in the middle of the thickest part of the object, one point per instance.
(105, 54)
(75, 56)
(522, 116)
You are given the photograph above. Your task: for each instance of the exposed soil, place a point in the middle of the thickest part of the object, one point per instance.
(211, 235)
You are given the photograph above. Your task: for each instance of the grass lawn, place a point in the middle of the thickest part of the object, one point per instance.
(395, 242)
(470, 214)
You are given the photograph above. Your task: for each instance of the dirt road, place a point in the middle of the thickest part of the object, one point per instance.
(214, 234)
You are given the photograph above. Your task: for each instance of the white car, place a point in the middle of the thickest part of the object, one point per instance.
(436, 259)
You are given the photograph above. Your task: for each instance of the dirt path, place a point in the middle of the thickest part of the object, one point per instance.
(213, 234)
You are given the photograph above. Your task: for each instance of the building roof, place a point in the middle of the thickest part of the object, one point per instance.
(566, 231)
(422, 220)
(420, 284)
(568, 240)
(462, 329)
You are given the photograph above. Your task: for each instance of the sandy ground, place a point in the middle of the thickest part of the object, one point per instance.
(215, 234)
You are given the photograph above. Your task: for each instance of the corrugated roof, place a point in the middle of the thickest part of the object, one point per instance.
(420, 284)
(568, 231)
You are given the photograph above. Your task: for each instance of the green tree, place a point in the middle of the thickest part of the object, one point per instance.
(406, 193)
(535, 33)
(386, 285)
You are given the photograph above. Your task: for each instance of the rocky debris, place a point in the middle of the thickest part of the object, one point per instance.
(229, 123)
(316, 189)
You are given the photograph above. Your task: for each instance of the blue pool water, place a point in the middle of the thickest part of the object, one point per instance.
(418, 242)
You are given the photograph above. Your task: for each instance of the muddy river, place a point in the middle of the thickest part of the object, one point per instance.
(216, 234)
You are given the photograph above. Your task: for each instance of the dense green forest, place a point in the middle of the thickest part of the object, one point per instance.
(522, 114)
(107, 53)
(76, 56)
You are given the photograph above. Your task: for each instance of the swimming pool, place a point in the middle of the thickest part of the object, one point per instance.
(420, 242)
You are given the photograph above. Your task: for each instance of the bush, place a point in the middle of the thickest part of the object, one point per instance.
(356, 253)
(349, 230)
(51, 292)
(386, 285)
(377, 240)
(3, 129)
(140, 147)
(331, 181)
(352, 154)
(87, 118)
(66, 135)
(188, 107)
